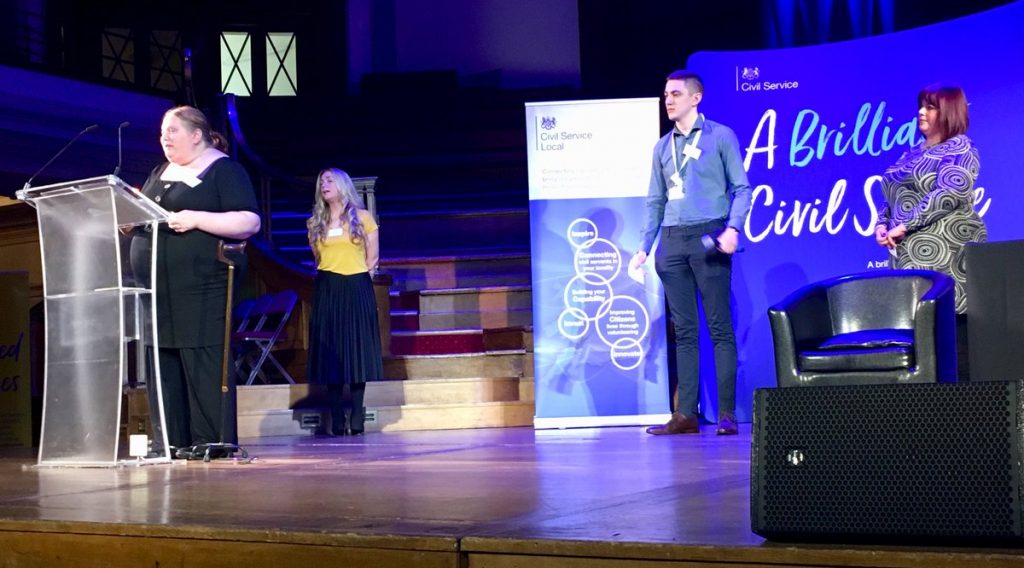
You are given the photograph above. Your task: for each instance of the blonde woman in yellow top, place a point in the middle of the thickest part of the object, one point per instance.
(344, 333)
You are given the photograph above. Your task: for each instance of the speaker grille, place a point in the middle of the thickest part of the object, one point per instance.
(888, 460)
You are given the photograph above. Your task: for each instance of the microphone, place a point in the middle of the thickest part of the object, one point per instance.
(711, 244)
(28, 183)
(120, 127)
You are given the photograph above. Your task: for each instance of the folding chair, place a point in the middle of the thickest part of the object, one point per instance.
(259, 330)
(241, 315)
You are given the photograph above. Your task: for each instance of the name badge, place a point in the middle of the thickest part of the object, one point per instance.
(675, 188)
(691, 151)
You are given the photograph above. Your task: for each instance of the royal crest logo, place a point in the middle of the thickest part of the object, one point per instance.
(751, 73)
(547, 122)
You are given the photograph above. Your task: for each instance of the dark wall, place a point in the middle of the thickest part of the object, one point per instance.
(627, 48)
(69, 35)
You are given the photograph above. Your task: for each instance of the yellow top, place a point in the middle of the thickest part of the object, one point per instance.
(340, 255)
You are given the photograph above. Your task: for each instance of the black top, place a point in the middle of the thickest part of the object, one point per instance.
(191, 286)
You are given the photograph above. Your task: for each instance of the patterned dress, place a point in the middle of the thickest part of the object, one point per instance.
(931, 190)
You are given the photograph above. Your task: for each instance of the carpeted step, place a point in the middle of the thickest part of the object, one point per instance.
(483, 307)
(405, 300)
(466, 270)
(515, 337)
(405, 320)
(436, 342)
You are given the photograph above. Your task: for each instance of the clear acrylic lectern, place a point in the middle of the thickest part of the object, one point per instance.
(100, 320)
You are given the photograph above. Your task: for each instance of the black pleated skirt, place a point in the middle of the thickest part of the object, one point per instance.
(344, 334)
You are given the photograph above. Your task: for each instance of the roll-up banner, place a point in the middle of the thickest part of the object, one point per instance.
(599, 333)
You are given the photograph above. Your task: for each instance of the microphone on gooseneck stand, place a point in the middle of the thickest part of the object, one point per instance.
(120, 127)
(28, 183)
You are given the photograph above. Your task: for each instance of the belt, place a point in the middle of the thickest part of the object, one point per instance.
(695, 230)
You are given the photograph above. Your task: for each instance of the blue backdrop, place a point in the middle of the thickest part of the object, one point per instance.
(818, 124)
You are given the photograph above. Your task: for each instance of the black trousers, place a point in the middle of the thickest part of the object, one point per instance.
(337, 396)
(196, 411)
(687, 270)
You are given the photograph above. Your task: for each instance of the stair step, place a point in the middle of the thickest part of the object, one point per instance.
(397, 418)
(405, 300)
(404, 320)
(436, 342)
(453, 416)
(483, 307)
(390, 393)
(510, 363)
(441, 300)
(484, 319)
(515, 337)
(428, 404)
(422, 273)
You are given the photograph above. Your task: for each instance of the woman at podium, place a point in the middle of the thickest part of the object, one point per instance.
(210, 198)
(929, 213)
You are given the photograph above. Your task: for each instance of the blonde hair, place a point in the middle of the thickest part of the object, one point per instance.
(318, 223)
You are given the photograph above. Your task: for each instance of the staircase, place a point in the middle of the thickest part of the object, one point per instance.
(442, 374)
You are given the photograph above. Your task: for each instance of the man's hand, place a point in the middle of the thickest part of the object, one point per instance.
(638, 259)
(636, 270)
(729, 240)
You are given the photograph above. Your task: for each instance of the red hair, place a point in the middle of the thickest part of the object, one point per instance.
(952, 106)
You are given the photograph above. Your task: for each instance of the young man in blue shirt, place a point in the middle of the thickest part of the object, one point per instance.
(698, 199)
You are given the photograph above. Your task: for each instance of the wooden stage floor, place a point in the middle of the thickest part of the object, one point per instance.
(461, 498)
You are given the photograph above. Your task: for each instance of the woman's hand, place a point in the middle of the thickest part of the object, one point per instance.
(882, 236)
(896, 235)
(230, 224)
(184, 220)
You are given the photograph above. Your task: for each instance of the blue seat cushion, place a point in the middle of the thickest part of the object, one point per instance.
(869, 339)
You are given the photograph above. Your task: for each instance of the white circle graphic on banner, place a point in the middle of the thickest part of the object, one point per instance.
(588, 293)
(573, 323)
(600, 257)
(623, 317)
(627, 354)
(581, 233)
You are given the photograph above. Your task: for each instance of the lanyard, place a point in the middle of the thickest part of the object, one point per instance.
(675, 155)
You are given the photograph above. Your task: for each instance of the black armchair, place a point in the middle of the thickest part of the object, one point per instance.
(874, 327)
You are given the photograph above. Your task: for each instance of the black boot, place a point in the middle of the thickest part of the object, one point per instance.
(358, 417)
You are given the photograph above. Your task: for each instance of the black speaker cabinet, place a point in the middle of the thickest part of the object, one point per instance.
(888, 463)
(995, 310)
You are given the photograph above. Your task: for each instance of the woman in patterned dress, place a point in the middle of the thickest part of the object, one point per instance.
(929, 213)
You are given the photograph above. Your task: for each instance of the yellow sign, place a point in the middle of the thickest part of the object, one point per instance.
(15, 395)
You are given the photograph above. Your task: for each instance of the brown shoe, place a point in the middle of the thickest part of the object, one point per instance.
(678, 424)
(726, 425)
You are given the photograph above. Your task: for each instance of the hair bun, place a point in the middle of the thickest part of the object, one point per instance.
(219, 141)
